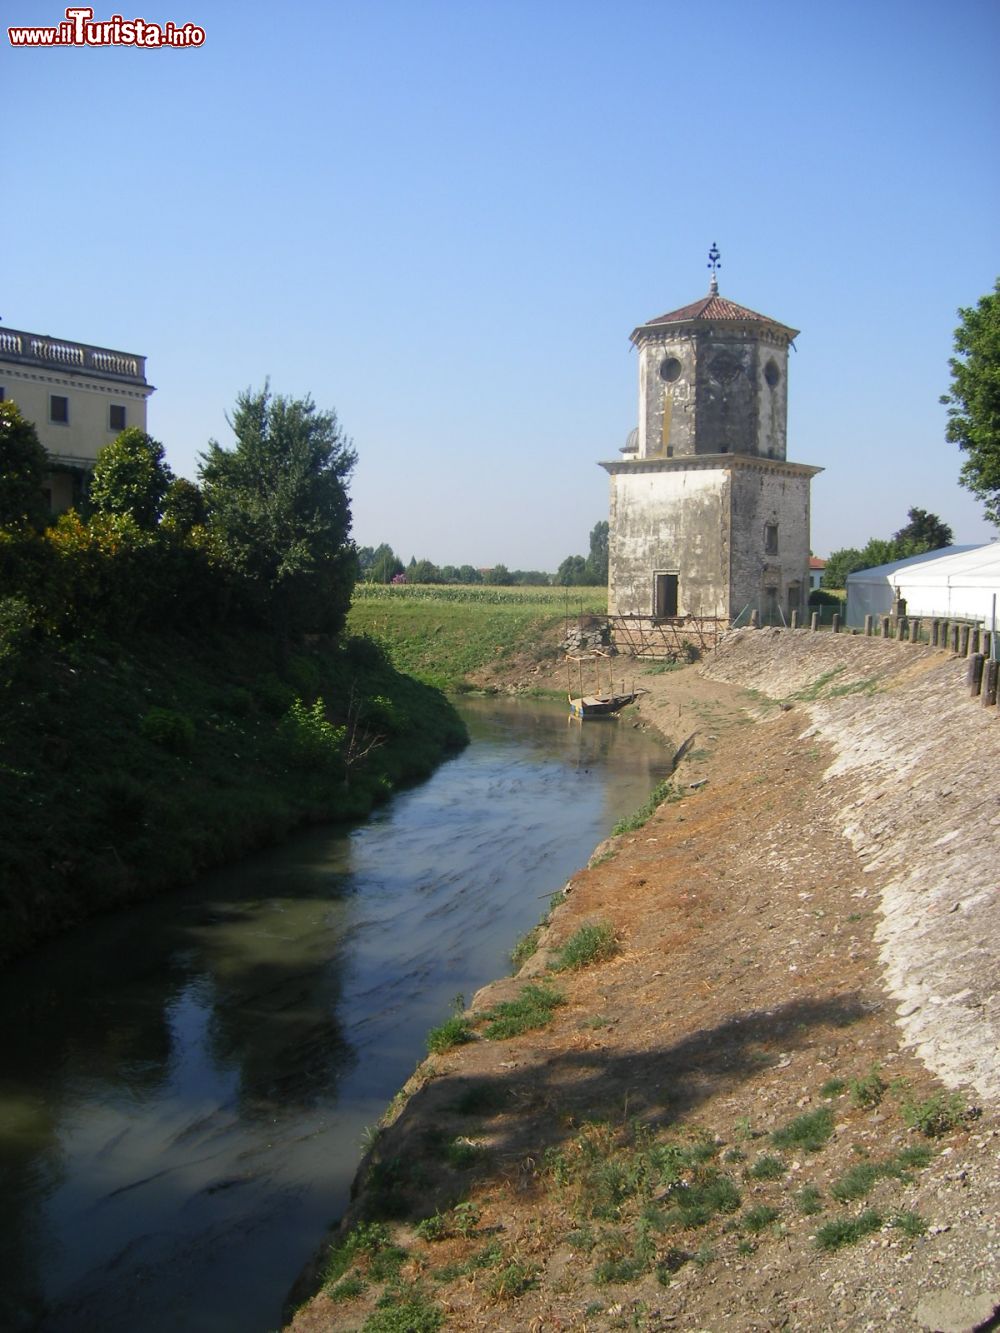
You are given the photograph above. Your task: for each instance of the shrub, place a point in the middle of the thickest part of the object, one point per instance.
(843, 1231)
(937, 1115)
(868, 1092)
(168, 729)
(455, 1031)
(910, 1224)
(526, 946)
(17, 623)
(510, 1281)
(767, 1167)
(664, 791)
(413, 1315)
(810, 1131)
(593, 943)
(808, 1200)
(313, 742)
(533, 1008)
(757, 1218)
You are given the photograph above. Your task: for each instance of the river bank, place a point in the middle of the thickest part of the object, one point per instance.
(723, 1125)
(129, 767)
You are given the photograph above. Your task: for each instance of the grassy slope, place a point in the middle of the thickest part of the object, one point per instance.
(94, 811)
(441, 634)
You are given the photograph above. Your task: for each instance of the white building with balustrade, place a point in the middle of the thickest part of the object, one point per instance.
(78, 397)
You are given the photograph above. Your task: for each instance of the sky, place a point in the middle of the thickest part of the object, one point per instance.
(443, 218)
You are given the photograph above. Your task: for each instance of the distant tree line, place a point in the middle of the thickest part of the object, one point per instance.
(263, 539)
(923, 532)
(381, 564)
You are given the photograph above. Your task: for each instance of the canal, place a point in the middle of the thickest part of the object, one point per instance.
(186, 1086)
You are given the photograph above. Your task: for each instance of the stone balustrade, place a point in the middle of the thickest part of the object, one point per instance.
(59, 354)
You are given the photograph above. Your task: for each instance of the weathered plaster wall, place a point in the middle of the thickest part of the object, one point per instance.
(772, 397)
(763, 495)
(669, 519)
(659, 396)
(726, 395)
(712, 391)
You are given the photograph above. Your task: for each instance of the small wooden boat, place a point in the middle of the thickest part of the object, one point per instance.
(599, 705)
(602, 703)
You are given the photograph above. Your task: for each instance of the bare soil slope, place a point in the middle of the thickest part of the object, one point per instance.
(808, 931)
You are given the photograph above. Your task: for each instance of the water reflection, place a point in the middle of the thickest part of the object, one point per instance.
(185, 1085)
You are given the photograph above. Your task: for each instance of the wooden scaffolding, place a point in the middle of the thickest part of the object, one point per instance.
(670, 639)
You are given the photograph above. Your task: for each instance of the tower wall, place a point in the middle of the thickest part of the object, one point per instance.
(675, 522)
(712, 389)
(769, 541)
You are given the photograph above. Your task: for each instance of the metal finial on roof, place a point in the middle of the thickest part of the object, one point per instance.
(714, 263)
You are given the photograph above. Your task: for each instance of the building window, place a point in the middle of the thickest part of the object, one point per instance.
(116, 417)
(59, 409)
(664, 595)
(770, 539)
(670, 370)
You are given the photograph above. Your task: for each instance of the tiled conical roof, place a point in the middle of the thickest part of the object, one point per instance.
(714, 308)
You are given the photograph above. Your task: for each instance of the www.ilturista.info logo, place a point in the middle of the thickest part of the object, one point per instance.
(78, 28)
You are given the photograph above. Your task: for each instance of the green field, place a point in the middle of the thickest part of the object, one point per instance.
(441, 633)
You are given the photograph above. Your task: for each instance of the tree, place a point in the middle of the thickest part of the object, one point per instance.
(974, 401)
(423, 571)
(924, 532)
(183, 506)
(499, 576)
(131, 477)
(279, 510)
(572, 573)
(597, 561)
(23, 465)
(379, 564)
(841, 563)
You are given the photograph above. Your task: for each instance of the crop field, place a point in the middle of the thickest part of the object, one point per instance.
(443, 632)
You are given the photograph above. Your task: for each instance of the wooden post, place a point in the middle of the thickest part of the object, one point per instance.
(953, 639)
(754, 619)
(915, 630)
(989, 691)
(963, 641)
(886, 621)
(794, 623)
(902, 628)
(974, 640)
(835, 622)
(974, 675)
(935, 629)
(868, 626)
(814, 621)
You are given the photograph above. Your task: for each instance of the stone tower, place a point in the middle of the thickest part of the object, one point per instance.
(708, 517)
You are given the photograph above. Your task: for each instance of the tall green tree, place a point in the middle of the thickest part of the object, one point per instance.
(923, 532)
(974, 401)
(572, 573)
(279, 511)
(597, 561)
(23, 465)
(131, 478)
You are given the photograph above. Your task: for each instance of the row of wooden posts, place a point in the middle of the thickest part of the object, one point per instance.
(975, 642)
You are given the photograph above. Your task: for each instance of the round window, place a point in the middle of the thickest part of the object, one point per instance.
(772, 374)
(670, 369)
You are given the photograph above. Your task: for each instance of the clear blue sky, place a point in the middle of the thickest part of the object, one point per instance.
(444, 219)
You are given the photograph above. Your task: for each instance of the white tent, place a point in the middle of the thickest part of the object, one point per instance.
(953, 583)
